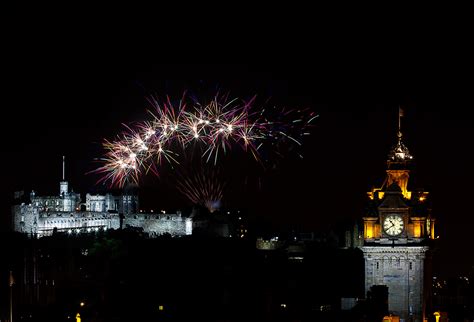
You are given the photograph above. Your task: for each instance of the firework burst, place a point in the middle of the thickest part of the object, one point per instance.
(215, 127)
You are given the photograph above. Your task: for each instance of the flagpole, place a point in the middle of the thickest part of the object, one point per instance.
(399, 116)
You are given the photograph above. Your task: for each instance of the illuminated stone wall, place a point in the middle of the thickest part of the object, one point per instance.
(109, 202)
(25, 218)
(402, 269)
(43, 215)
(31, 220)
(159, 224)
(76, 222)
(69, 202)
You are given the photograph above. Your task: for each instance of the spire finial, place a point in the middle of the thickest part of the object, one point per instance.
(399, 152)
(400, 114)
(64, 166)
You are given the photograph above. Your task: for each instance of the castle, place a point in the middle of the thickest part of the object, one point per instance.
(66, 213)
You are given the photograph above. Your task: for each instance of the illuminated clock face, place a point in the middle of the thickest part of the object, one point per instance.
(393, 225)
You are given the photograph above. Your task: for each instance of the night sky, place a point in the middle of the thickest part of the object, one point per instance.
(64, 101)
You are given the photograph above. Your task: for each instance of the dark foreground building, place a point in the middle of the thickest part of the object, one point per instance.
(122, 276)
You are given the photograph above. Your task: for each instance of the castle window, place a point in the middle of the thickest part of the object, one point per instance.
(22, 218)
(411, 265)
(377, 265)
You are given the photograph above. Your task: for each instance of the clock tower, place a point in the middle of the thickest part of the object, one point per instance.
(397, 232)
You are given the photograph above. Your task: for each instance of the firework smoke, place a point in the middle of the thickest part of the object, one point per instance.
(204, 188)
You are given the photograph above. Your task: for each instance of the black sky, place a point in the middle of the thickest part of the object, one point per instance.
(64, 98)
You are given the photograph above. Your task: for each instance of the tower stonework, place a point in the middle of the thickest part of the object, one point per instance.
(63, 185)
(397, 237)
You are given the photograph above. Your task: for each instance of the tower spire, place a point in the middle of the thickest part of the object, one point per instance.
(398, 162)
(399, 153)
(400, 114)
(399, 133)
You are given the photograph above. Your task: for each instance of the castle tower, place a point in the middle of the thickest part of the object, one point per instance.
(397, 235)
(63, 185)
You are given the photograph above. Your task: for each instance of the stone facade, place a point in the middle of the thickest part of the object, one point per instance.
(124, 204)
(402, 269)
(43, 215)
(32, 220)
(66, 201)
(159, 224)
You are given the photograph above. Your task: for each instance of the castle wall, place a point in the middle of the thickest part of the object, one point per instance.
(70, 202)
(128, 204)
(108, 202)
(46, 214)
(96, 203)
(85, 221)
(25, 218)
(159, 224)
